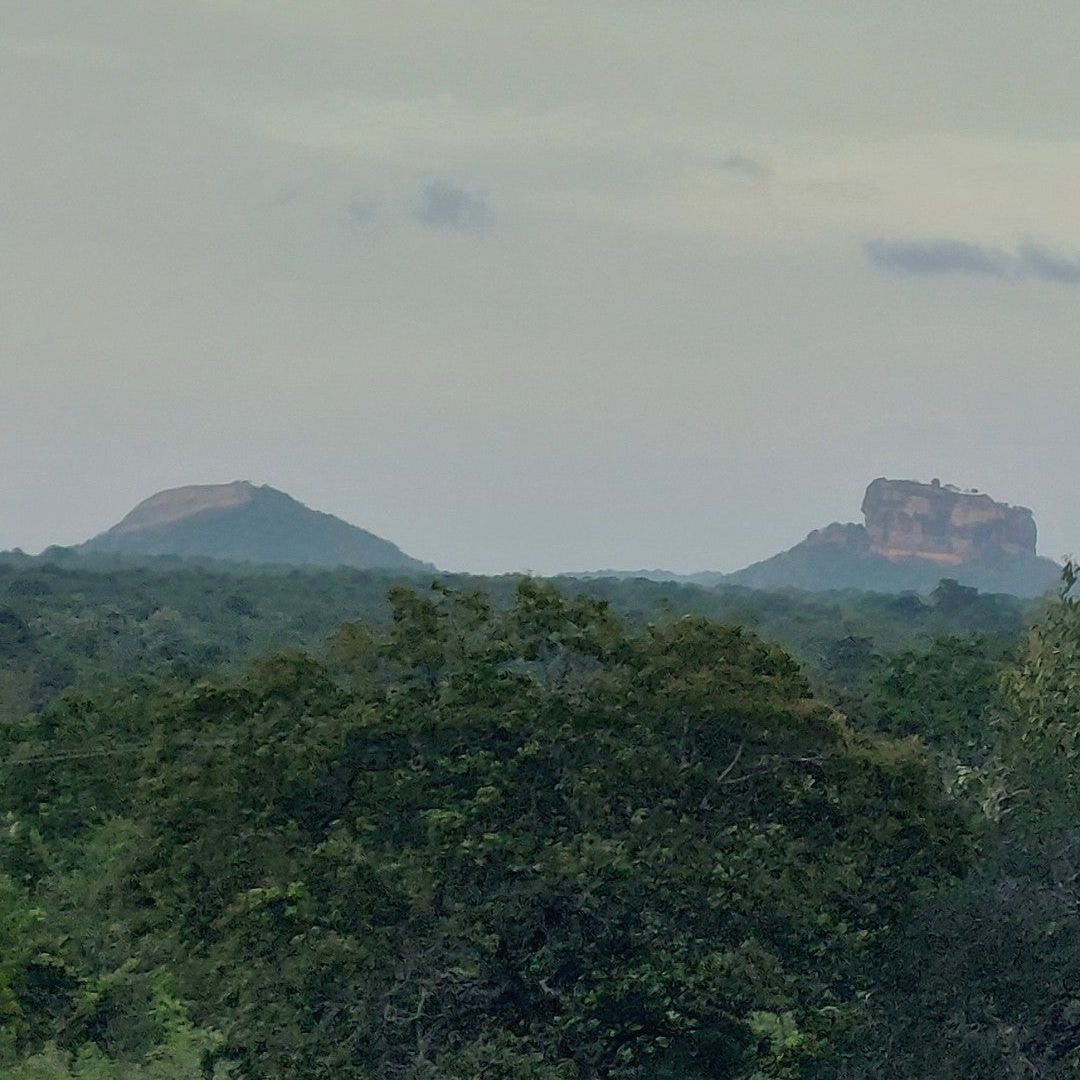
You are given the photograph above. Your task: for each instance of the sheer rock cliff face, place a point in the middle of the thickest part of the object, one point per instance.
(909, 520)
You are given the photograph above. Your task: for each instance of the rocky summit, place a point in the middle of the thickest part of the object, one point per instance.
(914, 534)
(245, 523)
(940, 523)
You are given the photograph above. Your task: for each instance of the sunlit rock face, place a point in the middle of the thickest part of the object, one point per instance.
(176, 504)
(941, 524)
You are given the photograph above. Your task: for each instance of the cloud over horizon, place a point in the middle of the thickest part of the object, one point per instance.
(444, 205)
(1030, 261)
(1046, 265)
(743, 165)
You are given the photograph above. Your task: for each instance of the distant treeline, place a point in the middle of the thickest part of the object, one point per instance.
(75, 624)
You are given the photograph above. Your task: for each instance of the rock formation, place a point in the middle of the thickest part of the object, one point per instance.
(242, 522)
(168, 507)
(909, 520)
(915, 535)
(840, 534)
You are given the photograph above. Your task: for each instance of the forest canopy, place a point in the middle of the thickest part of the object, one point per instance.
(493, 828)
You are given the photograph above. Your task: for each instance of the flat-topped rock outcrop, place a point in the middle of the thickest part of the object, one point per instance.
(914, 535)
(939, 523)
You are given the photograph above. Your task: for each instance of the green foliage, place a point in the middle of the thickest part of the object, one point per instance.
(987, 970)
(1044, 695)
(527, 842)
(489, 830)
(17, 924)
(84, 625)
(943, 694)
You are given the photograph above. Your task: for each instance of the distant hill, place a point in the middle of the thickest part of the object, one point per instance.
(817, 567)
(915, 535)
(245, 523)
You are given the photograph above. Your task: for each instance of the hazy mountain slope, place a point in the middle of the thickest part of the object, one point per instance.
(821, 567)
(915, 535)
(245, 523)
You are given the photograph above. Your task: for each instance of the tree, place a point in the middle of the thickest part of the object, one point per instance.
(530, 843)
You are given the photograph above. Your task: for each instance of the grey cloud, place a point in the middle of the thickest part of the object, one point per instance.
(362, 211)
(1030, 261)
(446, 206)
(742, 165)
(937, 257)
(1046, 265)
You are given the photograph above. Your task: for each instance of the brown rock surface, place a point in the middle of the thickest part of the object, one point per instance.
(244, 523)
(906, 519)
(176, 504)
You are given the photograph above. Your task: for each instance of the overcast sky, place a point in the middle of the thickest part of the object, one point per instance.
(539, 286)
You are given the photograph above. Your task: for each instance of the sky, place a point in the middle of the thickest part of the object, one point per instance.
(539, 287)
